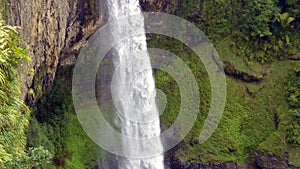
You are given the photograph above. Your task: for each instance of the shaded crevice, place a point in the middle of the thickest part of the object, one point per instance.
(232, 71)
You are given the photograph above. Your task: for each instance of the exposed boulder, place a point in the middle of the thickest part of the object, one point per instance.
(268, 161)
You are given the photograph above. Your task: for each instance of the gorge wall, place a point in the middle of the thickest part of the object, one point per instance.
(53, 32)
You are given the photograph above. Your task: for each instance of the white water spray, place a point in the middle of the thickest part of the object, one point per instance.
(133, 89)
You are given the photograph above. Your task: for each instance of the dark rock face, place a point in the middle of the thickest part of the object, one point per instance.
(53, 31)
(155, 5)
(174, 162)
(181, 164)
(262, 160)
(267, 161)
(230, 70)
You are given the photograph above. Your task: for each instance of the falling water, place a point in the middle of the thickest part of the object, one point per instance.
(134, 89)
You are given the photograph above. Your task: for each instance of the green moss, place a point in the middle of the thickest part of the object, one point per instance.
(37, 87)
(294, 154)
(39, 90)
(58, 129)
(84, 153)
(275, 144)
(252, 112)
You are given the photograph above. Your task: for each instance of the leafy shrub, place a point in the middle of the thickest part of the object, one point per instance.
(35, 157)
(14, 114)
(293, 89)
(257, 17)
(56, 127)
(49, 123)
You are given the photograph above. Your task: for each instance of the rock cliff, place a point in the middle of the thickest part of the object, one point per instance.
(53, 31)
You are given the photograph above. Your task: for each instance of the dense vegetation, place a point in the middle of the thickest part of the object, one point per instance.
(255, 38)
(55, 127)
(262, 30)
(14, 114)
(293, 98)
(259, 38)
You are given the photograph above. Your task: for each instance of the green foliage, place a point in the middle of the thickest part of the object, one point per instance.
(184, 6)
(35, 158)
(259, 30)
(274, 144)
(14, 114)
(293, 98)
(219, 21)
(257, 17)
(293, 88)
(10, 53)
(50, 127)
(256, 38)
(84, 153)
(296, 114)
(262, 30)
(215, 18)
(56, 127)
(293, 8)
(3, 9)
(293, 132)
(285, 20)
(267, 31)
(237, 134)
(256, 117)
(38, 134)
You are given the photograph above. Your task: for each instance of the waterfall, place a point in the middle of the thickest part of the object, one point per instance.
(133, 89)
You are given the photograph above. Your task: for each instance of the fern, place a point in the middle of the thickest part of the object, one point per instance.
(14, 114)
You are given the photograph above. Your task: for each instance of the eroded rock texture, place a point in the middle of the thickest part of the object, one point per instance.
(53, 32)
